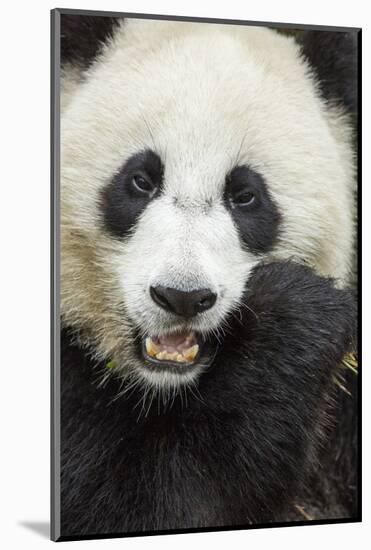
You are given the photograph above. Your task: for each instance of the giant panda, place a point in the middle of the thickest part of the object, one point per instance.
(207, 242)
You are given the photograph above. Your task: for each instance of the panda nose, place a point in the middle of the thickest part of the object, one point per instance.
(185, 304)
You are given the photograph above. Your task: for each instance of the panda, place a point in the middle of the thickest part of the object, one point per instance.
(207, 243)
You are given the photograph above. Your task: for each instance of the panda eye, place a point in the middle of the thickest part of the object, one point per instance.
(143, 185)
(240, 188)
(245, 198)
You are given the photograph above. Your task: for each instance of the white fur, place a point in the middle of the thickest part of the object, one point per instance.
(203, 97)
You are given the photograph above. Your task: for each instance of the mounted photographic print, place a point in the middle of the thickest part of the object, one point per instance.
(205, 359)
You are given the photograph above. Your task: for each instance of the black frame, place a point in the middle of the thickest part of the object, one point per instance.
(55, 268)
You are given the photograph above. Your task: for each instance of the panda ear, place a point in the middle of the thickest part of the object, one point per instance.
(333, 57)
(83, 36)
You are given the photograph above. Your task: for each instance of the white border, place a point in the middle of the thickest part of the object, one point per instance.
(24, 219)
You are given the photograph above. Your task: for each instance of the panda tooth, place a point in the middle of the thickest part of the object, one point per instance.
(191, 353)
(186, 355)
(151, 347)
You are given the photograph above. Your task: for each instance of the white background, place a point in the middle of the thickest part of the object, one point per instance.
(24, 270)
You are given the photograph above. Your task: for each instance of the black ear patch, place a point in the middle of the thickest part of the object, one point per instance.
(82, 37)
(333, 56)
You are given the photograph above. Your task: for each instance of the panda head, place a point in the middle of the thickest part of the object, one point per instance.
(189, 154)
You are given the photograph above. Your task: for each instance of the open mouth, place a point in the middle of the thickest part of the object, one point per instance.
(178, 351)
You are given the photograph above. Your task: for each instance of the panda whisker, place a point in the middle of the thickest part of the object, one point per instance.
(193, 389)
(142, 401)
(149, 131)
(238, 155)
(129, 388)
(215, 334)
(185, 397)
(243, 305)
(174, 394)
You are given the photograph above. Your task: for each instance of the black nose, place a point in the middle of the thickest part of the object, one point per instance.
(186, 304)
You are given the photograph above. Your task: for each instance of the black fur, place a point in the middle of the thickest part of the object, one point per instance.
(333, 56)
(82, 37)
(121, 204)
(258, 223)
(238, 451)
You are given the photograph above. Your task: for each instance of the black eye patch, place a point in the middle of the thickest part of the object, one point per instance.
(252, 208)
(130, 191)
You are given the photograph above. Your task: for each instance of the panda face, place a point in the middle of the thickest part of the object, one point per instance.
(187, 158)
(190, 246)
(187, 239)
